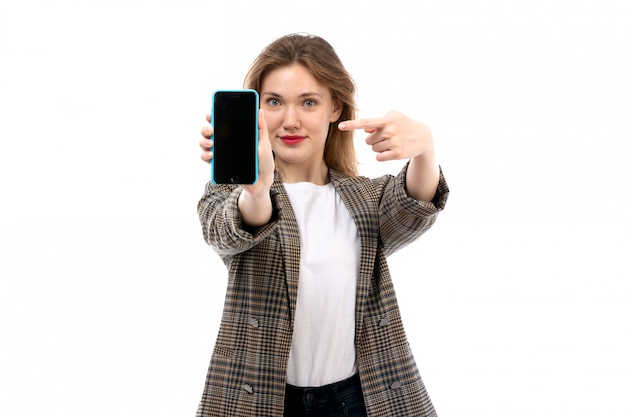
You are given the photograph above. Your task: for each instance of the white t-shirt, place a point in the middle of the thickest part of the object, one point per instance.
(323, 349)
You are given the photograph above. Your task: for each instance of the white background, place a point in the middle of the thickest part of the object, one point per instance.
(109, 299)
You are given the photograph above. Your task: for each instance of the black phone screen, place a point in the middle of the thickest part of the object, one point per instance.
(235, 137)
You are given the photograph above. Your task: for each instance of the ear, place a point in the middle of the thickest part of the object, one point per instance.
(337, 110)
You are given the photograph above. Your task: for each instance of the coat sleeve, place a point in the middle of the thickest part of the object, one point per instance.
(222, 224)
(404, 219)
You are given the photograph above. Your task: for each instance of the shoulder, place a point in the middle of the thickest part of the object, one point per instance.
(359, 182)
(336, 175)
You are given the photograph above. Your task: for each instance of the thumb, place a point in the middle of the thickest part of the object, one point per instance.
(263, 133)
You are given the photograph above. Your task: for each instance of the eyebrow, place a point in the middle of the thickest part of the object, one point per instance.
(303, 95)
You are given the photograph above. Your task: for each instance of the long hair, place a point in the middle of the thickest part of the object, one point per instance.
(320, 58)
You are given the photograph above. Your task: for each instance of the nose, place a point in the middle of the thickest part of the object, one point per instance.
(291, 118)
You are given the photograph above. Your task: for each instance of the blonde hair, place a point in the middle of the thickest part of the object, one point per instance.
(320, 58)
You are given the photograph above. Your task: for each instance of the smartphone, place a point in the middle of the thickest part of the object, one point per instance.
(235, 121)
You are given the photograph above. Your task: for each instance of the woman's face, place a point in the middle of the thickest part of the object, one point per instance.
(298, 111)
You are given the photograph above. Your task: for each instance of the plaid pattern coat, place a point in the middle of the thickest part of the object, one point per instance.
(248, 367)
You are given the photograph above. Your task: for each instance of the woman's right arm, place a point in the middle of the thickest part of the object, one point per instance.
(234, 218)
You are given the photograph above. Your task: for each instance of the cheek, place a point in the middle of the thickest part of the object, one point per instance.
(320, 125)
(272, 120)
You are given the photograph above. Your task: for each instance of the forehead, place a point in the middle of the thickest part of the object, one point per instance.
(292, 80)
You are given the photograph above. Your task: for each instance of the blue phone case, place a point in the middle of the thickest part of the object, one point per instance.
(256, 136)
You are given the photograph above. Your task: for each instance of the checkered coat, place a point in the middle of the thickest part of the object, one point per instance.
(248, 367)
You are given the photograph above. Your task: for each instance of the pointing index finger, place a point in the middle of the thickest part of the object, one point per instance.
(372, 123)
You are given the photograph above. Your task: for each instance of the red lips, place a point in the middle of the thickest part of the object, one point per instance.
(292, 139)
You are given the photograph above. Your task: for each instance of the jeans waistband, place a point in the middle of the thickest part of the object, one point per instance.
(334, 399)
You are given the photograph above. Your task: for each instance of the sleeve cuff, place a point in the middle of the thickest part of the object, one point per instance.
(434, 206)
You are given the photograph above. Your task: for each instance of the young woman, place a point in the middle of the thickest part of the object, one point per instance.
(311, 323)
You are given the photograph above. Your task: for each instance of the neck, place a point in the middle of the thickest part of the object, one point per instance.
(317, 174)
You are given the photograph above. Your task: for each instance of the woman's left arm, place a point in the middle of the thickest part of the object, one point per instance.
(398, 137)
(422, 177)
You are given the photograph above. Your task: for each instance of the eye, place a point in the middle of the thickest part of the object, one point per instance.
(273, 102)
(309, 103)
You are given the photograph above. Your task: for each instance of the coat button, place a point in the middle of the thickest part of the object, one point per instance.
(253, 322)
(248, 389)
(384, 321)
(396, 385)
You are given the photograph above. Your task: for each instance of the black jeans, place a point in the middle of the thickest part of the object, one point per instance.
(341, 399)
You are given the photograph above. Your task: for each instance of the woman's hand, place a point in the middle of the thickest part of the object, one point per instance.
(396, 137)
(206, 144)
